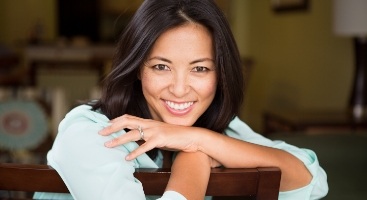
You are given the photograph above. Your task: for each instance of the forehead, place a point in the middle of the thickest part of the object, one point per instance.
(184, 38)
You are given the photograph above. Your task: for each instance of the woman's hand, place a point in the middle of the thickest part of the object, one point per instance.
(156, 135)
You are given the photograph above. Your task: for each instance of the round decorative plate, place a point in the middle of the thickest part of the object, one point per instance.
(23, 124)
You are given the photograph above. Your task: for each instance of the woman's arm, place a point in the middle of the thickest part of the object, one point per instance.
(234, 153)
(229, 151)
(190, 175)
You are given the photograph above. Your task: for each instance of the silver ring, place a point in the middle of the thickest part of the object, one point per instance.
(141, 132)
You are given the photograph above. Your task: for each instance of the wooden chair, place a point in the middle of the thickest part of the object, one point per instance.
(256, 183)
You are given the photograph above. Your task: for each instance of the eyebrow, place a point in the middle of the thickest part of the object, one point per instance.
(192, 62)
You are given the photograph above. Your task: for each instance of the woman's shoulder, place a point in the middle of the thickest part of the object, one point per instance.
(237, 125)
(240, 130)
(83, 114)
(81, 110)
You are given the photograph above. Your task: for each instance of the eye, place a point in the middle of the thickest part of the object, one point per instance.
(161, 67)
(200, 69)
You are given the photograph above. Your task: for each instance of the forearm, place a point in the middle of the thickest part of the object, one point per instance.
(190, 175)
(233, 153)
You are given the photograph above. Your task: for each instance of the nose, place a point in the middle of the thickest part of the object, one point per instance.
(180, 85)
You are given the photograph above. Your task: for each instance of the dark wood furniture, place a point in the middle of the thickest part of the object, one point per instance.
(256, 183)
(310, 122)
(11, 72)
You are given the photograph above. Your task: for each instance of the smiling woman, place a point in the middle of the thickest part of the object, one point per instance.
(177, 86)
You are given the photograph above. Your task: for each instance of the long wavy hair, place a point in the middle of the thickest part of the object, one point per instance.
(122, 90)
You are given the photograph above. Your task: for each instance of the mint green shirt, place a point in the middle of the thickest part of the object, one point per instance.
(92, 171)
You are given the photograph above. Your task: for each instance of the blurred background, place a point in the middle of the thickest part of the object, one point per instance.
(298, 62)
(299, 74)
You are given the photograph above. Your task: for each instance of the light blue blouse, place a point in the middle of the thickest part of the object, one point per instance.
(92, 171)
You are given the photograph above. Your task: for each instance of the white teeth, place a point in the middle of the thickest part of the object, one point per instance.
(179, 106)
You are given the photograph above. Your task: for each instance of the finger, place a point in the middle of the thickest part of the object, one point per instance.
(147, 146)
(107, 130)
(118, 126)
(125, 116)
(130, 136)
(122, 122)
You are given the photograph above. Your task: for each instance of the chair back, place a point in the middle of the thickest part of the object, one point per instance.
(254, 183)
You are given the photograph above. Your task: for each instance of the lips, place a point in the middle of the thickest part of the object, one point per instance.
(179, 106)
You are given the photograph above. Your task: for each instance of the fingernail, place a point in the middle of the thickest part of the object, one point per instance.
(102, 132)
(127, 157)
(109, 143)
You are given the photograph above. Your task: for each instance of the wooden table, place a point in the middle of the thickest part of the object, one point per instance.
(311, 121)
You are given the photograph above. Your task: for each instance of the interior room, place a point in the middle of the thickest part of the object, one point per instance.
(306, 76)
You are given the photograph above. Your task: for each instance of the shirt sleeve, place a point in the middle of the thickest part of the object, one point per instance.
(316, 189)
(172, 195)
(88, 168)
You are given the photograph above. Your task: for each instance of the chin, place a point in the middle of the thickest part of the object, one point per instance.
(180, 122)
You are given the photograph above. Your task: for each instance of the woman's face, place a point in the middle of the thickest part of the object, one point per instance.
(179, 78)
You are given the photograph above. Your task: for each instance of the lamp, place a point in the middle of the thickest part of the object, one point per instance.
(350, 19)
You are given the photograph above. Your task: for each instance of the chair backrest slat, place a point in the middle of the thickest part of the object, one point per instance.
(256, 183)
(30, 178)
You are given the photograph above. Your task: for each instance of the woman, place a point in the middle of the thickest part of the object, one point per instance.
(176, 85)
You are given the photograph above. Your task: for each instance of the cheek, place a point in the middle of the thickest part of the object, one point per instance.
(150, 85)
(207, 89)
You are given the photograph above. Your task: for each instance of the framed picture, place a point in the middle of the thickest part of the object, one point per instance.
(289, 5)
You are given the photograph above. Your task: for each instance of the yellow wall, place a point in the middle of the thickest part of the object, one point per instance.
(240, 23)
(299, 62)
(17, 17)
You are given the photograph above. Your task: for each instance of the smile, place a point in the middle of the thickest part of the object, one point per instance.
(179, 106)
